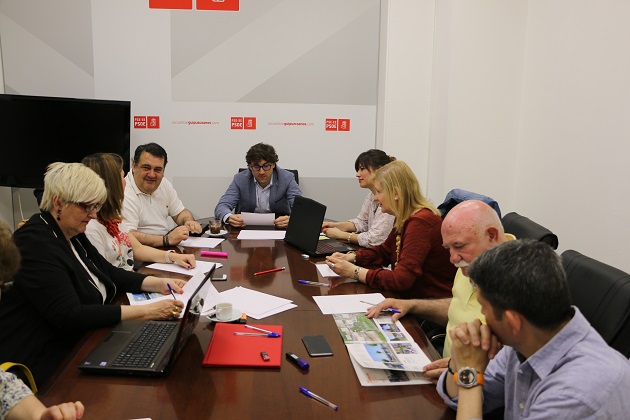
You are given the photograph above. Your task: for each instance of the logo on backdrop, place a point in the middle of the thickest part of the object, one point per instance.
(146, 121)
(229, 5)
(337, 124)
(243, 123)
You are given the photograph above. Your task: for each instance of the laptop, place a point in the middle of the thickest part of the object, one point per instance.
(305, 227)
(123, 353)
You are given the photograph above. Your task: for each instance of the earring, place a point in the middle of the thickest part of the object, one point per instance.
(58, 214)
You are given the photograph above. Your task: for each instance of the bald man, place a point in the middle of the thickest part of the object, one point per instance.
(470, 228)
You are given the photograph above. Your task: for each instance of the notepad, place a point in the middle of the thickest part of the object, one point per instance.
(227, 349)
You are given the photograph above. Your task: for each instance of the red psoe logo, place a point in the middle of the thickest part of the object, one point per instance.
(331, 124)
(228, 5)
(236, 123)
(139, 122)
(249, 123)
(170, 4)
(153, 121)
(343, 125)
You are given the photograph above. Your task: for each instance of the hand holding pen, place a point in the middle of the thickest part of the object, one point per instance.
(398, 307)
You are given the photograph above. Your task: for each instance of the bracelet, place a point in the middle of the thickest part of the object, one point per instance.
(350, 236)
(449, 367)
(165, 240)
(167, 257)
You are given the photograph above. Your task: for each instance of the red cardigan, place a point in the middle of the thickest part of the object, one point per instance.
(423, 269)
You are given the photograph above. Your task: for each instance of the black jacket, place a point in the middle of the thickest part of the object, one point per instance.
(53, 300)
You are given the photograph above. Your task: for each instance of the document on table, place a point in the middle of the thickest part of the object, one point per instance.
(258, 219)
(326, 271)
(255, 304)
(201, 242)
(379, 343)
(387, 377)
(189, 288)
(200, 267)
(341, 304)
(261, 234)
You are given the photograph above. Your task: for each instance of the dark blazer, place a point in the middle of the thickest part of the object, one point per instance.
(53, 301)
(242, 190)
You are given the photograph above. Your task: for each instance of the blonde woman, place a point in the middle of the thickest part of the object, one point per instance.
(420, 266)
(65, 286)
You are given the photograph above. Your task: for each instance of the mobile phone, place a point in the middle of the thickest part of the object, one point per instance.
(316, 345)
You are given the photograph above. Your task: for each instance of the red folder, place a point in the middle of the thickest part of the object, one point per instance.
(227, 349)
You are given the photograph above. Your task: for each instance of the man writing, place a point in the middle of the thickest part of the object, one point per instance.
(262, 188)
(553, 365)
(470, 228)
(150, 199)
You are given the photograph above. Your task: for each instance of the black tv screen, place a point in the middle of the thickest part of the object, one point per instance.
(39, 130)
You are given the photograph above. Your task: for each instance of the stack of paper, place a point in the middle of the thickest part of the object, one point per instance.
(256, 304)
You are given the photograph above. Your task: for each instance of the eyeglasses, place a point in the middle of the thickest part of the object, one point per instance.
(89, 208)
(264, 167)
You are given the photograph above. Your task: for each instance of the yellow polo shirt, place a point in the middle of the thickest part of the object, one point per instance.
(464, 307)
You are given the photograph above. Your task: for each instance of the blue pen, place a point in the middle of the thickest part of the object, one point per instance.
(170, 289)
(318, 398)
(313, 283)
(396, 311)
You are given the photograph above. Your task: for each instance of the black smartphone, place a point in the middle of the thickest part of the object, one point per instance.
(316, 345)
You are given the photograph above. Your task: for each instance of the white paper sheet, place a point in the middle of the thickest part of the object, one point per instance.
(258, 219)
(255, 304)
(201, 242)
(341, 304)
(261, 234)
(326, 271)
(200, 267)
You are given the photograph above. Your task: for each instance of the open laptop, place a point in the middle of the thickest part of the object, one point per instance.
(118, 353)
(305, 227)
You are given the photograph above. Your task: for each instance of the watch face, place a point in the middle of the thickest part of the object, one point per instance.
(467, 376)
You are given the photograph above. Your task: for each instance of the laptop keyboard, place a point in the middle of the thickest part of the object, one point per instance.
(141, 351)
(323, 247)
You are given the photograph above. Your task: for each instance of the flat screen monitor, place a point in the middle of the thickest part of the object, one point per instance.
(39, 130)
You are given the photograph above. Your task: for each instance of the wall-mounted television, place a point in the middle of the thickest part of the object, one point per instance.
(38, 130)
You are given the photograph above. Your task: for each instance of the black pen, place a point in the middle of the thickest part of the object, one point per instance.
(302, 364)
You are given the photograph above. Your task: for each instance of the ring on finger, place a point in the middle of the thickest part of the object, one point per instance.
(332, 265)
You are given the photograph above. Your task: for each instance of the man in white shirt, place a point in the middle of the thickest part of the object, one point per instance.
(150, 199)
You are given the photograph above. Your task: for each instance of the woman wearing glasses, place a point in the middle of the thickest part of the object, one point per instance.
(65, 286)
(262, 188)
(109, 233)
(372, 225)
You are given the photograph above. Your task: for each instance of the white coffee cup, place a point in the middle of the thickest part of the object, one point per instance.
(224, 311)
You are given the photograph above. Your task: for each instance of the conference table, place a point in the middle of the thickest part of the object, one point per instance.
(191, 391)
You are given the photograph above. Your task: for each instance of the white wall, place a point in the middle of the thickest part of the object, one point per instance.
(525, 101)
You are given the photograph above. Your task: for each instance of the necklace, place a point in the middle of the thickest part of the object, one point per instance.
(397, 250)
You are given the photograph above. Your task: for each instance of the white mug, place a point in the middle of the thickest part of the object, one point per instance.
(224, 311)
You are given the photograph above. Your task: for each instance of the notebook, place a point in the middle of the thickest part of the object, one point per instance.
(123, 353)
(305, 227)
(227, 349)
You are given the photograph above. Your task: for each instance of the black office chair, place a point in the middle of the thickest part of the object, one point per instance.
(602, 293)
(237, 209)
(524, 228)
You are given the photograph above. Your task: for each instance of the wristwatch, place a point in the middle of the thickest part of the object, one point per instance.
(468, 377)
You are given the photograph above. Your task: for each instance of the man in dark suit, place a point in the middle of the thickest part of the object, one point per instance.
(262, 188)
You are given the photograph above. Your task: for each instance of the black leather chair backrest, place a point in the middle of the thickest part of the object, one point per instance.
(602, 293)
(525, 228)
